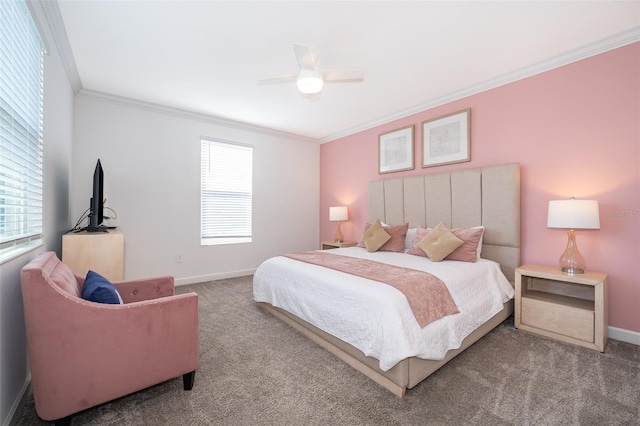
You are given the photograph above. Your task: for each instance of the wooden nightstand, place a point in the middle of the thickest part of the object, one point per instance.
(325, 245)
(569, 308)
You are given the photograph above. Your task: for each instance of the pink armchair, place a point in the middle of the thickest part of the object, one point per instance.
(84, 353)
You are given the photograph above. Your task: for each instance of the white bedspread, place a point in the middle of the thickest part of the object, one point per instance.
(376, 318)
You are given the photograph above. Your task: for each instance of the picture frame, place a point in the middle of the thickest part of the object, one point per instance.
(447, 139)
(395, 151)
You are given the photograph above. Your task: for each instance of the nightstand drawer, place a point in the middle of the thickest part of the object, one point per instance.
(557, 318)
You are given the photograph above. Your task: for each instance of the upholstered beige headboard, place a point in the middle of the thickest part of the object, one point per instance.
(488, 196)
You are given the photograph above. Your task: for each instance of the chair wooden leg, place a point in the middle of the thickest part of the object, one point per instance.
(188, 380)
(65, 421)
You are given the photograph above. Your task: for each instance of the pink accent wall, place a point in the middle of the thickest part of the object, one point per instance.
(575, 131)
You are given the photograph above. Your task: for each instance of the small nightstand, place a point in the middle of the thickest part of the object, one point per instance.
(325, 245)
(569, 308)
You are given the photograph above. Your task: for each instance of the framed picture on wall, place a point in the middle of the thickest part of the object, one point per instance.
(395, 151)
(447, 139)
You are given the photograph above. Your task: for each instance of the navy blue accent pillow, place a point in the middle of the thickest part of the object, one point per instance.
(98, 289)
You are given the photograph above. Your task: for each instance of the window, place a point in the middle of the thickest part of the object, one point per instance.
(226, 192)
(21, 106)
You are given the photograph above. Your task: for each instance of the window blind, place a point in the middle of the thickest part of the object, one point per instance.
(21, 127)
(226, 192)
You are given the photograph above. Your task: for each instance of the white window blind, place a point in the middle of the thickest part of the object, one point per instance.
(21, 109)
(226, 192)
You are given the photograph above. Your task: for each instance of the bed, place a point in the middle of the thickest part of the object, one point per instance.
(486, 196)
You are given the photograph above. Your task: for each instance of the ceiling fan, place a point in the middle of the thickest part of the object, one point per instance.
(310, 79)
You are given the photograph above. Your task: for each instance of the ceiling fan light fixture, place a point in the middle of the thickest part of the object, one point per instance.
(309, 82)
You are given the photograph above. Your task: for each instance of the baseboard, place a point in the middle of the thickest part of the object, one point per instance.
(624, 335)
(213, 277)
(16, 409)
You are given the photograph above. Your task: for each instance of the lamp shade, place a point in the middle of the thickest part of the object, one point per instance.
(573, 214)
(338, 213)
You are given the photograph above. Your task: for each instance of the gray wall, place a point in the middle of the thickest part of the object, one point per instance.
(151, 161)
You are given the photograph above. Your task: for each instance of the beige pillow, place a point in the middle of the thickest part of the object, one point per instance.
(420, 234)
(397, 240)
(439, 243)
(469, 251)
(375, 237)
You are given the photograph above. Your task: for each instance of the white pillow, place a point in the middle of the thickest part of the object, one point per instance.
(409, 239)
(479, 250)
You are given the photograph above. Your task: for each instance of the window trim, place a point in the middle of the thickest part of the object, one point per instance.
(227, 239)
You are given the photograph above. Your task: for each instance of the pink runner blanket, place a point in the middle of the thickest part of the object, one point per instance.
(428, 297)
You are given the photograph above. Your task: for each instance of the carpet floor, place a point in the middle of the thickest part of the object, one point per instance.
(256, 370)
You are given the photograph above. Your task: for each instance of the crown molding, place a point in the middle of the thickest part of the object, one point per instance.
(180, 113)
(56, 25)
(624, 38)
(54, 20)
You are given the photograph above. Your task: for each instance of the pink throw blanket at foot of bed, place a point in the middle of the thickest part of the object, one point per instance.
(428, 296)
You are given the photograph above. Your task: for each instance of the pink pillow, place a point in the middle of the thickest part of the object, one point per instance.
(396, 242)
(467, 252)
(420, 234)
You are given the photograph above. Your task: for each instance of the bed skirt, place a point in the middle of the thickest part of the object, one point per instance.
(404, 375)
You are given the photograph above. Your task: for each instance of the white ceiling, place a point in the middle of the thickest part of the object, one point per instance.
(205, 56)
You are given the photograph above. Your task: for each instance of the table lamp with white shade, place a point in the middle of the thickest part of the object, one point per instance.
(338, 214)
(573, 214)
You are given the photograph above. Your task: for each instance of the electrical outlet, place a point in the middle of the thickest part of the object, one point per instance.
(179, 258)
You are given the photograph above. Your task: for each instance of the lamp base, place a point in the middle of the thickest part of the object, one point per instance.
(338, 237)
(571, 261)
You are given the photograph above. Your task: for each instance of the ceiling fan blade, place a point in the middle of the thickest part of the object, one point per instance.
(309, 79)
(277, 79)
(306, 59)
(342, 76)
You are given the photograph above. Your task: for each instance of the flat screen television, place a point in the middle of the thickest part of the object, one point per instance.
(96, 212)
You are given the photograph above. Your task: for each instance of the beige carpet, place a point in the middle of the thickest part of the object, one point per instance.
(255, 370)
